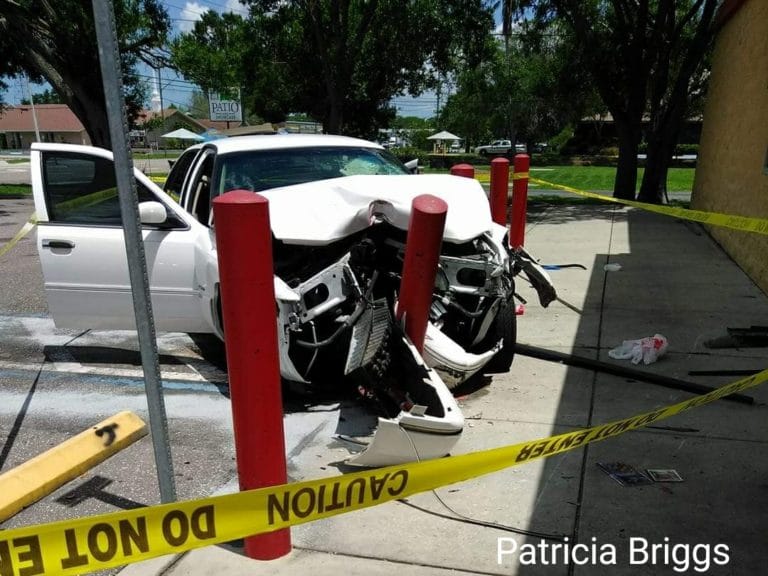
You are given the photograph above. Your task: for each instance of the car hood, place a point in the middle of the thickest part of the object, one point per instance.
(322, 212)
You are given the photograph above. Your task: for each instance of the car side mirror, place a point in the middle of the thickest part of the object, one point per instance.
(413, 166)
(152, 213)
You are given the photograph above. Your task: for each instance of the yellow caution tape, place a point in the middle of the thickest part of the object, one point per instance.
(30, 224)
(100, 542)
(743, 223)
(485, 177)
(92, 199)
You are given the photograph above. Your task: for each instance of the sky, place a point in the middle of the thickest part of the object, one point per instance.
(177, 91)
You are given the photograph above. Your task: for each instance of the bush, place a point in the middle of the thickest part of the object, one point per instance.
(409, 153)
(609, 151)
(685, 149)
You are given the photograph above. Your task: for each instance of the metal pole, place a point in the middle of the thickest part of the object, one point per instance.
(137, 266)
(34, 112)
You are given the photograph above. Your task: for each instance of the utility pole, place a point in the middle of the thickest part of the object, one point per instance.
(34, 112)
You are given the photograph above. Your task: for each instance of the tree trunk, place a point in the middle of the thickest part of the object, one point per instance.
(626, 170)
(92, 114)
(334, 121)
(654, 186)
(662, 139)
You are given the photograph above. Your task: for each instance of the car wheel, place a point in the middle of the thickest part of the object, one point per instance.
(504, 328)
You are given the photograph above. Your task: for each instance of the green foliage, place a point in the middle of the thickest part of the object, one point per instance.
(46, 97)
(413, 123)
(15, 190)
(338, 62)
(56, 42)
(198, 105)
(528, 91)
(558, 140)
(408, 153)
(644, 58)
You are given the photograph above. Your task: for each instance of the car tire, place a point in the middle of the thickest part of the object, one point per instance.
(504, 328)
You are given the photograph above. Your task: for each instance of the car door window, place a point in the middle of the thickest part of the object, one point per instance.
(175, 181)
(200, 192)
(81, 189)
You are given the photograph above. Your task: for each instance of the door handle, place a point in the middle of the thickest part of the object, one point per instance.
(65, 244)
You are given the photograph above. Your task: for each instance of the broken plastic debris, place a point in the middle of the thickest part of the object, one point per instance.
(647, 349)
(664, 475)
(612, 267)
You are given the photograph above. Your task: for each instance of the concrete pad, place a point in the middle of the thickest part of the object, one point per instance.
(510, 497)
(41, 475)
(719, 502)
(686, 331)
(617, 398)
(534, 392)
(675, 281)
(218, 560)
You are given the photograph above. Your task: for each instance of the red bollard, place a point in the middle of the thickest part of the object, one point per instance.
(519, 200)
(466, 170)
(499, 190)
(422, 253)
(253, 358)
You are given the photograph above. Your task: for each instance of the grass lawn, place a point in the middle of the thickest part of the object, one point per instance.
(157, 155)
(591, 178)
(601, 177)
(17, 160)
(8, 190)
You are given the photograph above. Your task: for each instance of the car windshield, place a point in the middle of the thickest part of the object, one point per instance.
(260, 170)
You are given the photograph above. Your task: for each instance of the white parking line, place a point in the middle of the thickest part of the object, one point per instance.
(212, 375)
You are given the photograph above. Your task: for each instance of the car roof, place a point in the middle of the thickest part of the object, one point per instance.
(281, 141)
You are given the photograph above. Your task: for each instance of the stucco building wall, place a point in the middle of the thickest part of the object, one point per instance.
(732, 173)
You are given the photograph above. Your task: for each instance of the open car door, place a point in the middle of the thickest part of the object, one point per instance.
(82, 248)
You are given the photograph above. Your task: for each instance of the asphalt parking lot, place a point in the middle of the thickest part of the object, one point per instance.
(56, 383)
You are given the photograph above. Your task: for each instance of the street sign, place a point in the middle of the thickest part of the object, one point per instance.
(225, 110)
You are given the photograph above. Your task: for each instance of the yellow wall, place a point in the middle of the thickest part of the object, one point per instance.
(732, 176)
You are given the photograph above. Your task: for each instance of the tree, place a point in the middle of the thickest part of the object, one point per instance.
(56, 42)
(676, 85)
(198, 105)
(529, 90)
(340, 61)
(644, 56)
(226, 51)
(46, 97)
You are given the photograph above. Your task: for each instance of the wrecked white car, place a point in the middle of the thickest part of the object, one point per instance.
(339, 210)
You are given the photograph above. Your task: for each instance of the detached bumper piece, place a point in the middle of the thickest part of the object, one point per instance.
(429, 422)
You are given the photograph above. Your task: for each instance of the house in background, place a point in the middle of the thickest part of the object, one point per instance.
(55, 123)
(732, 174)
(150, 125)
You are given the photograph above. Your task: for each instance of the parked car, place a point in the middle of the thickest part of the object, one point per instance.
(499, 148)
(339, 211)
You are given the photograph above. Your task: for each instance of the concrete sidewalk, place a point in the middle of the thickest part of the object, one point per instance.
(674, 281)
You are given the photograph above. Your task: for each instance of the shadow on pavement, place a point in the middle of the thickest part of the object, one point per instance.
(677, 282)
